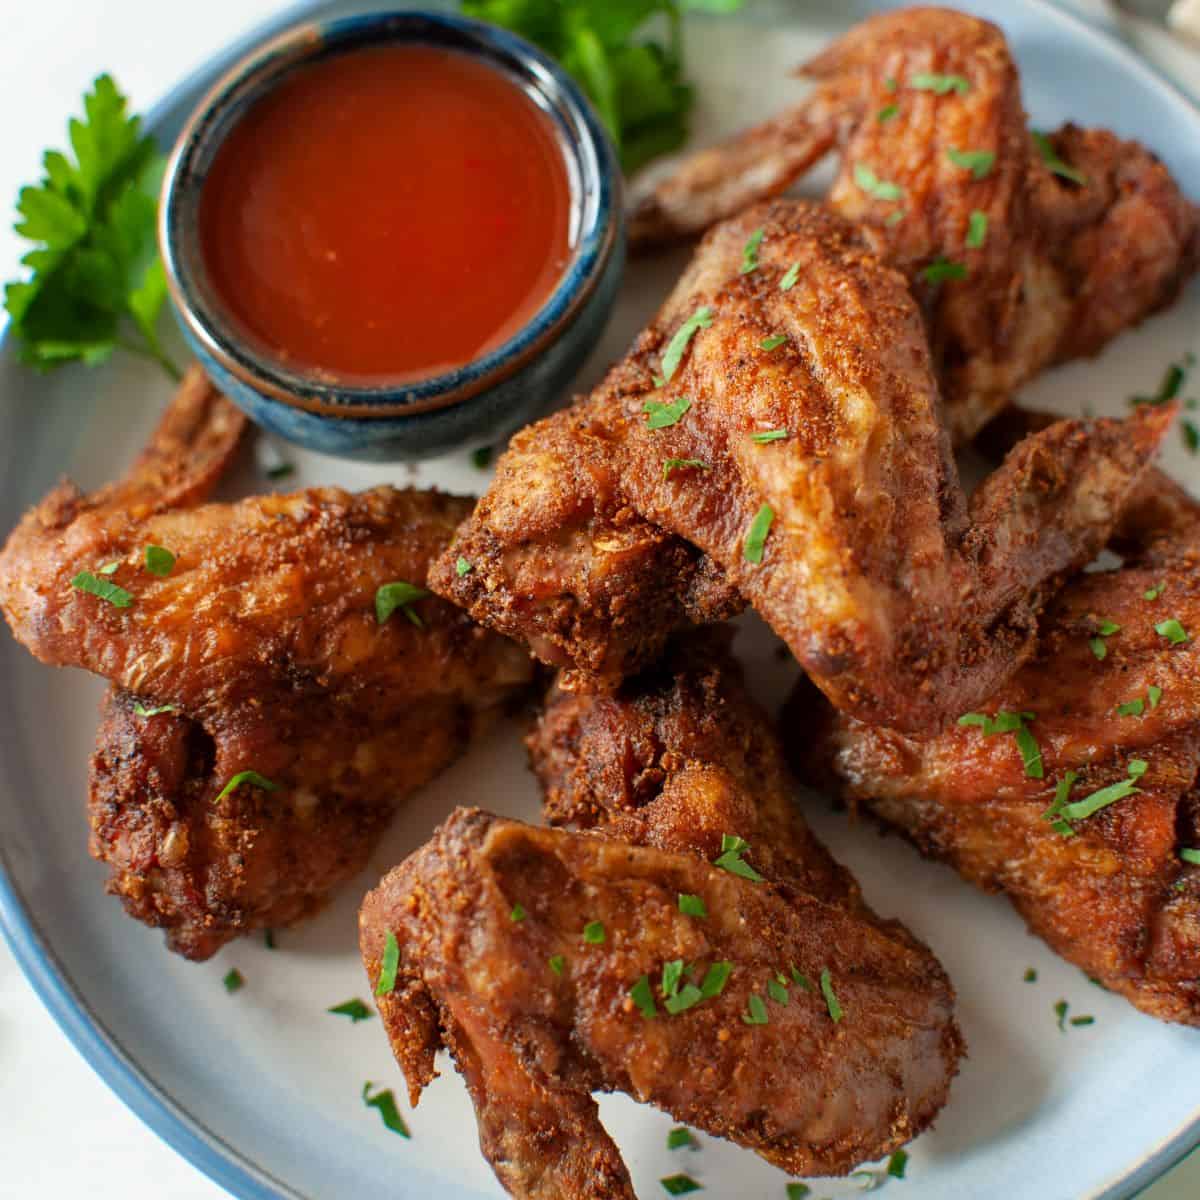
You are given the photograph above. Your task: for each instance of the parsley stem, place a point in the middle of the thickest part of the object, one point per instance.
(154, 354)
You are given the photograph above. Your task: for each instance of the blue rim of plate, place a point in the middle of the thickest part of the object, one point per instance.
(180, 1129)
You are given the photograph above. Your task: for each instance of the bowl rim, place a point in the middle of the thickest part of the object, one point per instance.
(591, 160)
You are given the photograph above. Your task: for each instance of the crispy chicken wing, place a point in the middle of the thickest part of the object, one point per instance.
(842, 521)
(937, 163)
(259, 651)
(1088, 847)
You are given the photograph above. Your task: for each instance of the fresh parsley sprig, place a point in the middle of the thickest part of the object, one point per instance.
(95, 280)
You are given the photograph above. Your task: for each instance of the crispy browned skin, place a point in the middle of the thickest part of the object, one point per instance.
(264, 641)
(1115, 898)
(905, 606)
(808, 1094)
(1064, 267)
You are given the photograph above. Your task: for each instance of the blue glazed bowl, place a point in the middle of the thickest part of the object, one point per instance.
(471, 405)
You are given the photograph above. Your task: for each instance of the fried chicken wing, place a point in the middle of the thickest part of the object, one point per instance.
(259, 651)
(903, 604)
(1088, 846)
(1063, 243)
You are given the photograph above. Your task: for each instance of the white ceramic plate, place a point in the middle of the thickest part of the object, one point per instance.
(262, 1088)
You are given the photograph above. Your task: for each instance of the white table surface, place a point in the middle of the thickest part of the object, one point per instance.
(59, 1124)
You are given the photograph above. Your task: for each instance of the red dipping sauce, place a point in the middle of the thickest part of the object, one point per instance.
(387, 214)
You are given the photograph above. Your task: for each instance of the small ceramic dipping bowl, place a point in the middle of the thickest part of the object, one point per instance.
(465, 406)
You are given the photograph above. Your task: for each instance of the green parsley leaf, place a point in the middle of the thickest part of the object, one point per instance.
(1080, 809)
(159, 561)
(643, 996)
(880, 189)
(462, 567)
(688, 996)
(750, 251)
(680, 1185)
(1172, 631)
(692, 906)
(118, 597)
(681, 464)
(756, 1013)
(702, 318)
(942, 269)
(1060, 1011)
(1030, 975)
(109, 568)
(662, 415)
(398, 595)
(1031, 753)
(1190, 856)
(233, 980)
(777, 991)
(518, 913)
(1108, 628)
(280, 470)
(897, 1164)
(730, 859)
(389, 966)
(1055, 164)
(789, 278)
(978, 162)
(894, 218)
(756, 535)
(671, 975)
(1190, 434)
(831, 1000)
(940, 84)
(1154, 592)
(1062, 793)
(593, 933)
(715, 979)
(798, 1191)
(385, 1102)
(356, 1010)
(481, 457)
(251, 777)
(769, 435)
(1077, 1021)
(1011, 722)
(1153, 695)
(680, 1138)
(142, 711)
(801, 980)
(1172, 381)
(887, 112)
(773, 342)
(1138, 767)
(977, 227)
(558, 964)
(1131, 708)
(1099, 649)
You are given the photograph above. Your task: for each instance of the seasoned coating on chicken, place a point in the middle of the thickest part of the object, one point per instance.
(902, 604)
(494, 963)
(263, 645)
(1058, 263)
(1112, 687)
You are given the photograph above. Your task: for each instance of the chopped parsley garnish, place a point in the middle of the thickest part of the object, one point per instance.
(462, 567)
(756, 1013)
(481, 457)
(715, 979)
(769, 435)
(662, 415)
(1154, 592)
(789, 278)
(750, 251)
(1190, 435)
(940, 84)
(684, 999)
(692, 906)
(558, 964)
(1190, 856)
(1153, 695)
(869, 182)
(1060, 1011)
(680, 1185)
(389, 966)
(518, 913)
(1078, 810)
(672, 973)
(1172, 631)
(891, 83)
(1106, 629)
(978, 162)
(385, 1102)
(730, 858)
(798, 1191)
(356, 1010)
(977, 227)
(897, 1164)
(943, 269)
(593, 933)
(233, 980)
(773, 342)
(756, 535)
(159, 561)
(251, 777)
(800, 979)
(1131, 708)
(398, 595)
(682, 464)
(680, 1139)
(1030, 975)
(118, 597)
(1168, 389)
(1055, 164)
(1062, 793)
(777, 991)
(887, 112)
(280, 470)
(142, 711)
(642, 994)
(1077, 1021)
(894, 218)
(702, 318)
(1011, 722)
(831, 1000)
(109, 568)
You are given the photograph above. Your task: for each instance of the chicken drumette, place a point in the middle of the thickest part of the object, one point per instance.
(1093, 833)
(1053, 244)
(260, 652)
(556, 964)
(784, 423)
